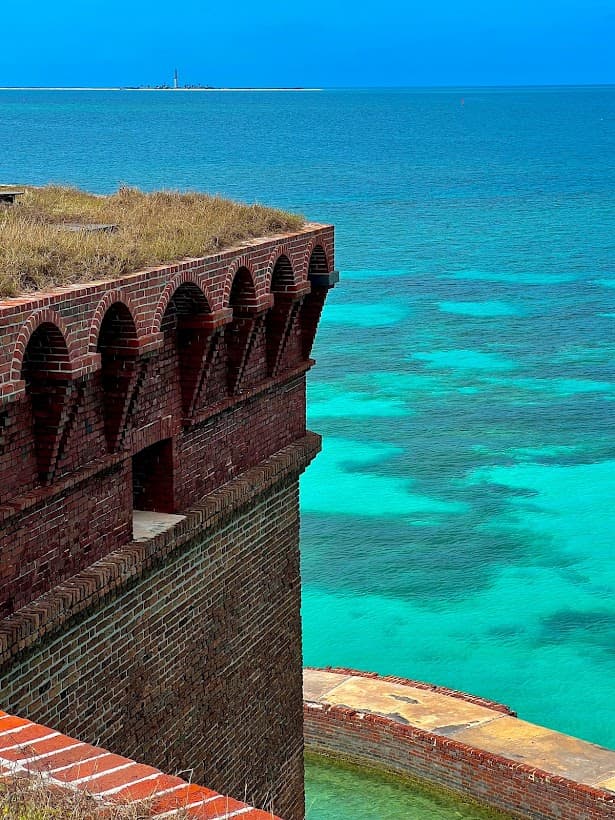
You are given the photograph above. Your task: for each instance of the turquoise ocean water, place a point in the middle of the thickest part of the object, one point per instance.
(458, 525)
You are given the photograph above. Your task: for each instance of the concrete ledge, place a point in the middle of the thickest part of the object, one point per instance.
(458, 742)
(31, 749)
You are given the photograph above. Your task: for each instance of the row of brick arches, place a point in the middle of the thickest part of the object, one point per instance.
(209, 358)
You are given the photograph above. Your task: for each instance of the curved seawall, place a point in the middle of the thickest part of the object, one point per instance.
(455, 741)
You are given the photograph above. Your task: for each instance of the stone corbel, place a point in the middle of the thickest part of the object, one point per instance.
(321, 284)
(248, 322)
(119, 404)
(54, 421)
(282, 322)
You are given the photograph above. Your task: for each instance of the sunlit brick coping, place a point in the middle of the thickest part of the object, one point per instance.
(468, 745)
(61, 761)
(105, 577)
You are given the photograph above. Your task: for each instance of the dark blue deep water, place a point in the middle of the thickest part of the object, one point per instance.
(459, 525)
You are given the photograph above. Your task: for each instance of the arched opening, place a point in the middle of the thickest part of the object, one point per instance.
(283, 337)
(247, 363)
(118, 348)
(282, 276)
(318, 261)
(186, 323)
(187, 300)
(46, 372)
(243, 293)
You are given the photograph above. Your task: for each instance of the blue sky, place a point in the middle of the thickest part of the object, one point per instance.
(320, 43)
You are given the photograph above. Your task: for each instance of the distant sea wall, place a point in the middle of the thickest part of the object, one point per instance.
(152, 433)
(451, 740)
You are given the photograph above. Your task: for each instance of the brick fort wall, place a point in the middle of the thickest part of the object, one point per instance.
(177, 391)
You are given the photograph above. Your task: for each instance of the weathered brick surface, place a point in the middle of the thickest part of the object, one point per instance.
(194, 660)
(63, 762)
(176, 389)
(501, 782)
(229, 443)
(63, 532)
(53, 610)
(207, 355)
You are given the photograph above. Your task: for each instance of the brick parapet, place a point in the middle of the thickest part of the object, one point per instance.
(178, 378)
(479, 750)
(29, 749)
(78, 310)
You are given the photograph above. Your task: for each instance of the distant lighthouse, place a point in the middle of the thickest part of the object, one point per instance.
(176, 80)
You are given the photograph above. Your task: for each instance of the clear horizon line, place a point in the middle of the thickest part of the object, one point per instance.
(301, 88)
(151, 88)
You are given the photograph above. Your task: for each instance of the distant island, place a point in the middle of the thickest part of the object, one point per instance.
(166, 88)
(174, 86)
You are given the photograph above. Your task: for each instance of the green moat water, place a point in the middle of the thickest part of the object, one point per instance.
(336, 790)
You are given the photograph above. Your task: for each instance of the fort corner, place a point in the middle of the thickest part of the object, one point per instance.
(152, 434)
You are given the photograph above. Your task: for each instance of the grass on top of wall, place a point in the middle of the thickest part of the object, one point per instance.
(32, 798)
(37, 251)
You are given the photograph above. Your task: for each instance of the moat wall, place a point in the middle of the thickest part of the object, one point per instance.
(179, 391)
(461, 743)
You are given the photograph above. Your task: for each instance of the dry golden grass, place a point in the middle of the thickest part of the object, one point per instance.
(31, 798)
(36, 253)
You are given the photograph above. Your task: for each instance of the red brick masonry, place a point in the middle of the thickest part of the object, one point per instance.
(455, 741)
(152, 434)
(194, 370)
(29, 748)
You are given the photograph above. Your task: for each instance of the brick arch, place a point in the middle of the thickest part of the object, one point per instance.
(186, 323)
(241, 262)
(168, 293)
(34, 321)
(187, 300)
(316, 246)
(46, 374)
(244, 335)
(110, 298)
(120, 373)
(279, 252)
(283, 339)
